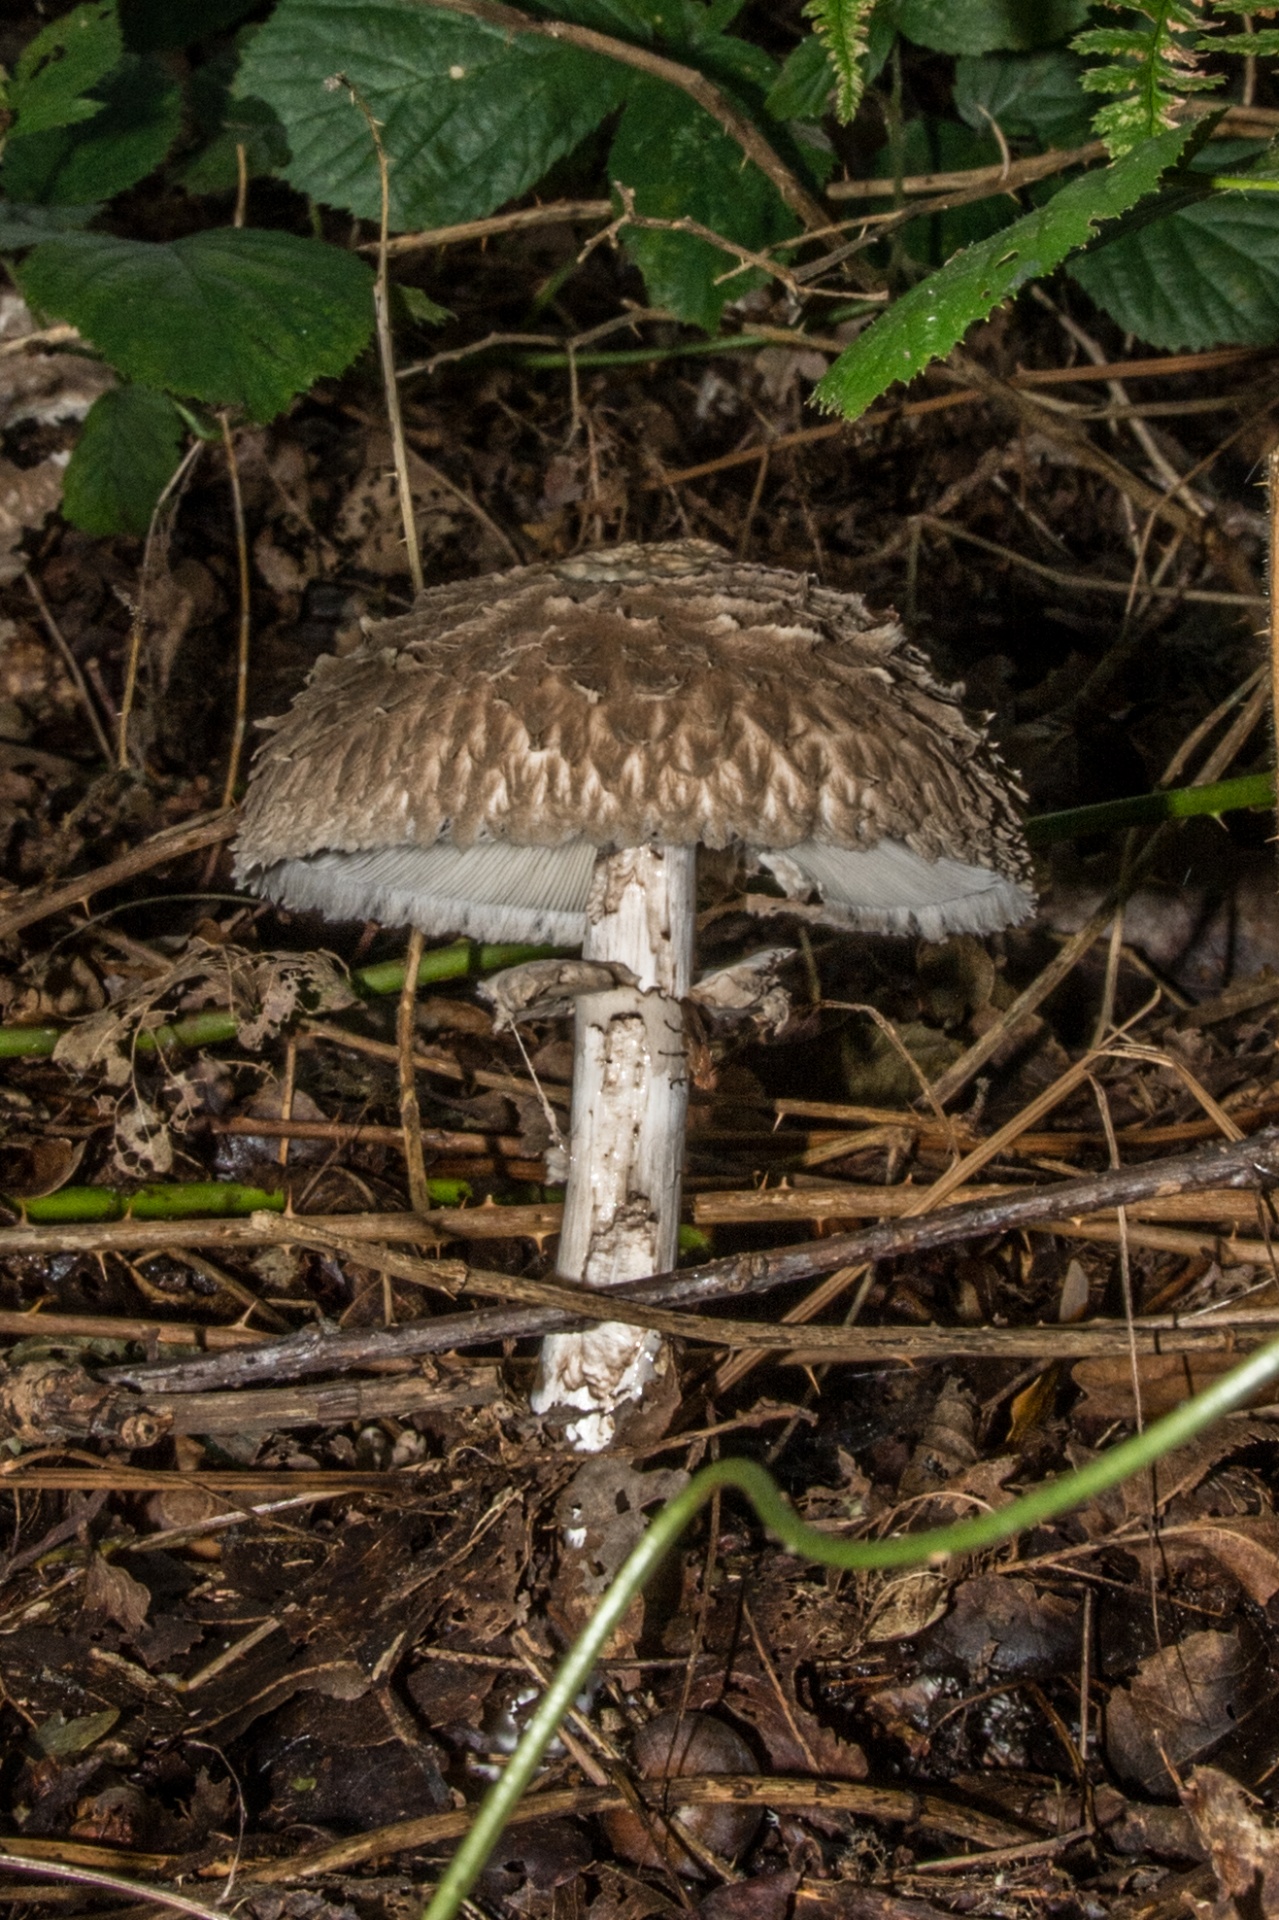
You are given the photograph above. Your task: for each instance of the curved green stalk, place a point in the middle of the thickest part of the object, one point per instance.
(777, 1514)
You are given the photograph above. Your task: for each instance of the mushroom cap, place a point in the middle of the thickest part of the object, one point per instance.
(463, 769)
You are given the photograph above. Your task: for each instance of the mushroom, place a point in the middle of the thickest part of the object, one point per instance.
(537, 755)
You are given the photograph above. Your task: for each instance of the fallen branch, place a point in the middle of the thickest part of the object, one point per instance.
(1237, 1164)
(929, 1812)
(208, 831)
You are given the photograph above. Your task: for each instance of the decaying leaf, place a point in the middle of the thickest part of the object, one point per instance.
(1166, 1380)
(111, 1591)
(1243, 1849)
(1184, 1699)
(601, 1514)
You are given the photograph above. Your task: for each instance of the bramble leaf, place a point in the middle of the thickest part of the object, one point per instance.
(125, 457)
(471, 114)
(680, 162)
(986, 26)
(929, 320)
(55, 71)
(1202, 275)
(22, 226)
(1034, 96)
(232, 316)
(140, 118)
(804, 86)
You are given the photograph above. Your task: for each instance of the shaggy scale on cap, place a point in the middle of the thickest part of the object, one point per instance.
(462, 771)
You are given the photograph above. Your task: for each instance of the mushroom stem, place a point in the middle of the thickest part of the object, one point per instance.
(630, 1098)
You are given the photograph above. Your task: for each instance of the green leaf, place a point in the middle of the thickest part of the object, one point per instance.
(1257, 46)
(125, 457)
(934, 316)
(986, 26)
(1204, 275)
(1029, 96)
(231, 316)
(162, 26)
(140, 119)
(1152, 66)
(842, 27)
(250, 124)
(55, 70)
(22, 226)
(471, 114)
(942, 146)
(60, 1739)
(804, 86)
(680, 162)
(420, 307)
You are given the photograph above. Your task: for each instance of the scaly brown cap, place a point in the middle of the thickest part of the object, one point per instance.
(463, 769)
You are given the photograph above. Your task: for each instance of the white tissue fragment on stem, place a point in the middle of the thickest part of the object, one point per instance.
(630, 1099)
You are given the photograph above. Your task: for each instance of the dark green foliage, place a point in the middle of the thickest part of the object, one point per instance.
(140, 114)
(1200, 276)
(22, 226)
(679, 162)
(804, 86)
(986, 26)
(161, 26)
(55, 71)
(936, 146)
(123, 461)
(231, 316)
(934, 316)
(473, 115)
(1035, 96)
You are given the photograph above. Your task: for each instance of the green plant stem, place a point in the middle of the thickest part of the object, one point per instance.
(179, 1200)
(901, 1550)
(216, 1027)
(1148, 809)
(1242, 183)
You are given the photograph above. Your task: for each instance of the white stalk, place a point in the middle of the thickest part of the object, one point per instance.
(630, 1098)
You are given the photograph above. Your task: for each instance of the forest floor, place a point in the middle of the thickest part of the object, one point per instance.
(247, 1634)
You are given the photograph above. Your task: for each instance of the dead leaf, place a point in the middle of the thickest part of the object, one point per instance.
(601, 1515)
(1032, 1406)
(1248, 1548)
(111, 1591)
(765, 1897)
(907, 1604)
(1181, 1702)
(1001, 1629)
(1244, 1850)
(1166, 1380)
(30, 1168)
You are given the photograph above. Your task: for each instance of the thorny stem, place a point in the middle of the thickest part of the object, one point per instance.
(212, 1028)
(774, 1510)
